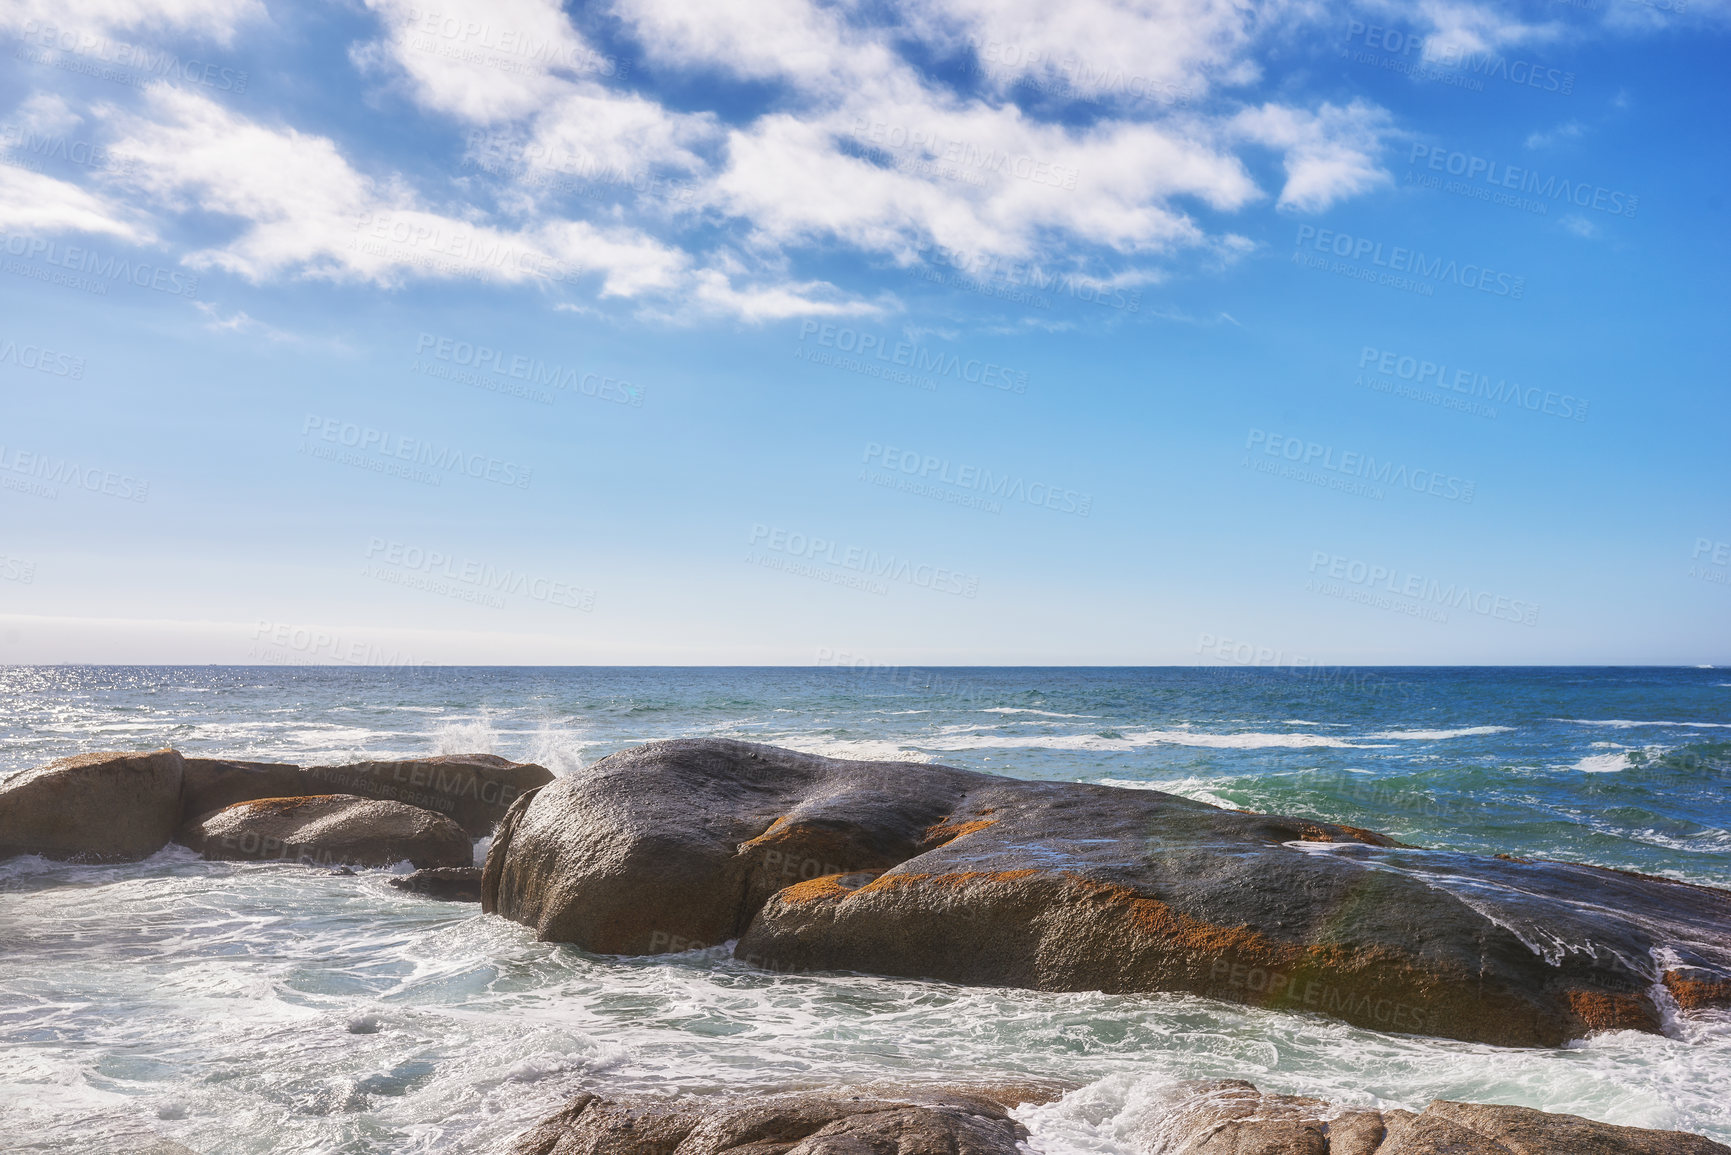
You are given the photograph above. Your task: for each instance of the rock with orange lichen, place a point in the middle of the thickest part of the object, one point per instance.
(926, 871)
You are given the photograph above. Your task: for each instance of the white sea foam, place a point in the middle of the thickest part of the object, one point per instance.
(1023, 710)
(1437, 735)
(1624, 723)
(1198, 789)
(470, 736)
(1603, 763)
(1138, 739)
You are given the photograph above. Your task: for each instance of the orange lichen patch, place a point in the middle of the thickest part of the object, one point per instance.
(283, 805)
(772, 834)
(945, 832)
(1606, 1011)
(952, 881)
(1698, 994)
(815, 890)
(1153, 918)
(1311, 832)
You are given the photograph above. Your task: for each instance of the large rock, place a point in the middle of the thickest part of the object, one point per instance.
(329, 830)
(1217, 1117)
(212, 783)
(795, 1124)
(1231, 1117)
(928, 871)
(92, 807)
(474, 790)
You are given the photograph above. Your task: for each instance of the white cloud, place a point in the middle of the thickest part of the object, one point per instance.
(1157, 51)
(215, 20)
(45, 114)
(1569, 130)
(32, 202)
(484, 61)
(1330, 154)
(777, 302)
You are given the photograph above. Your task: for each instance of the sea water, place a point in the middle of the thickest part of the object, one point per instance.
(246, 1008)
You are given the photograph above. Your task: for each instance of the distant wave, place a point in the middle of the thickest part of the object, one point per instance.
(1135, 739)
(1624, 723)
(1042, 713)
(1429, 735)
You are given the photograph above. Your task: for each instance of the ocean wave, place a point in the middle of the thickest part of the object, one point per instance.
(1024, 710)
(866, 749)
(1433, 735)
(1624, 723)
(1138, 739)
(1603, 763)
(1196, 789)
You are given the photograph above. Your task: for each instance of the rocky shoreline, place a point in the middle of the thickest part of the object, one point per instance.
(920, 871)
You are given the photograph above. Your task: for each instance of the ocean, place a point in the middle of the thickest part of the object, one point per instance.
(250, 1008)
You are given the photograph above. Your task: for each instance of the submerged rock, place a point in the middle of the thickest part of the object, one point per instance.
(329, 829)
(1216, 1117)
(92, 807)
(1231, 1117)
(448, 883)
(474, 790)
(793, 1124)
(931, 872)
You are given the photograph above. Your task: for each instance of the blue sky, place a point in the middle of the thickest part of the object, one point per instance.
(933, 331)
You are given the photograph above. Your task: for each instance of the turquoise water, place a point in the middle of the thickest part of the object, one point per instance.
(263, 1008)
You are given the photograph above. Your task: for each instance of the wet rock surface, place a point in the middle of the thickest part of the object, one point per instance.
(1214, 1117)
(474, 790)
(931, 872)
(329, 829)
(92, 807)
(446, 883)
(793, 1124)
